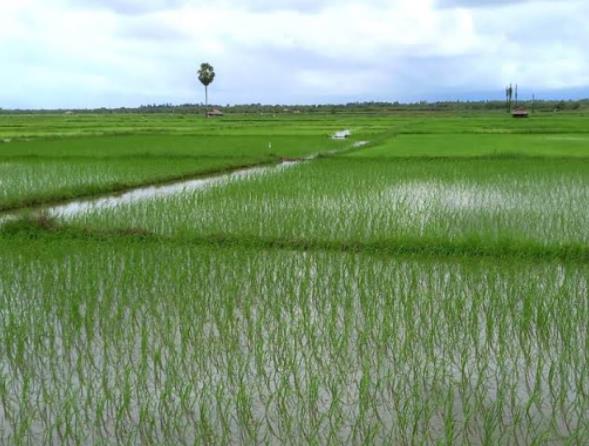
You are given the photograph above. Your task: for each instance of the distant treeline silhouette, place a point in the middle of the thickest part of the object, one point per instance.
(352, 107)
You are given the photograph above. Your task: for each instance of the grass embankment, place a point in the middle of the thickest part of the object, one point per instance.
(45, 227)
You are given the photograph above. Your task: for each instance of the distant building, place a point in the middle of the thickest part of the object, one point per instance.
(520, 113)
(214, 113)
(342, 134)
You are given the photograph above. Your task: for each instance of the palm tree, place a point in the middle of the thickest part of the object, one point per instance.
(206, 75)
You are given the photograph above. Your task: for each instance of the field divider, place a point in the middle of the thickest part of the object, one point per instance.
(43, 226)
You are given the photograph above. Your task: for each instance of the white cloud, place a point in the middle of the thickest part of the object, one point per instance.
(128, 52)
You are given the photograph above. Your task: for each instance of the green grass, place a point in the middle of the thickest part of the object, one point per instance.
(19, 127)
(178, 145)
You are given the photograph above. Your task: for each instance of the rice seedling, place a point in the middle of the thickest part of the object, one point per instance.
(37, 182)
(37, 172)
(166, 147)
(431, 287)
(115, 341)
(37, 126)
(508, 205)
(490, 145)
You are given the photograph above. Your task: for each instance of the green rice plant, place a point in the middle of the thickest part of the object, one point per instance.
(42, 182)
(430, 288)
(472, 145)
(116, 341)
(51, 170)
(493, 207)
(32, 126)
(167, 147)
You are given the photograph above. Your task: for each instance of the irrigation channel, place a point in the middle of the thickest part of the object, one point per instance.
(75, 207)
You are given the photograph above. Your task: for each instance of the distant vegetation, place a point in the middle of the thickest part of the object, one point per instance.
(352, 107)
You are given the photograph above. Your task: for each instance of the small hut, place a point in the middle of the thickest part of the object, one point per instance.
(520, 113)
(215, 113)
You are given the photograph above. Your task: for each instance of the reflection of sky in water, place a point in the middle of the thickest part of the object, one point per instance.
(422, 195)
(152, 192)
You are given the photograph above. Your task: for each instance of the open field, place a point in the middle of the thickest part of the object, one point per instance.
(431, 287)
(31, 126)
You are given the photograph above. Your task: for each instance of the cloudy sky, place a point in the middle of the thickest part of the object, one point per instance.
(92, 53)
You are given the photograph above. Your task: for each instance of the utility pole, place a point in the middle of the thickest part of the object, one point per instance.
(516, 95)
(509, 96)
(533, 102)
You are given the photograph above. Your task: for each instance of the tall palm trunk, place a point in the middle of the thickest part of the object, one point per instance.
(206, 101)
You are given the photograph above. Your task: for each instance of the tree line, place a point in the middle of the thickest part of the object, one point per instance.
(352, 107)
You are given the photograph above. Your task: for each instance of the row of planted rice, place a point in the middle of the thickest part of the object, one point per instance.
(115, 341)
(529, 204)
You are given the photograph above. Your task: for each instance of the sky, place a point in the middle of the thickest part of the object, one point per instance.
(111, 53)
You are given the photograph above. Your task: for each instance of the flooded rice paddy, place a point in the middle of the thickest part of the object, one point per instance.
(280, 347)
(268, 306)
(372, 202)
